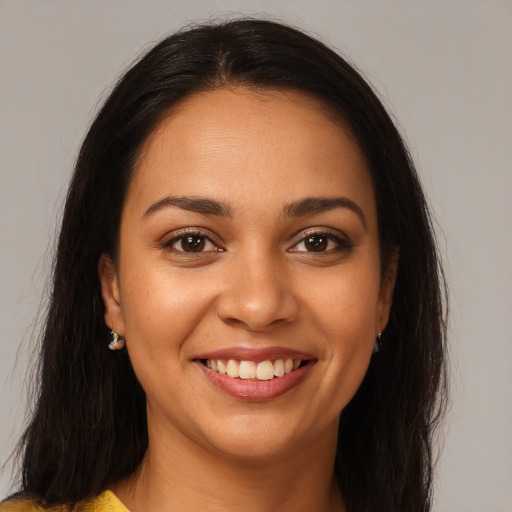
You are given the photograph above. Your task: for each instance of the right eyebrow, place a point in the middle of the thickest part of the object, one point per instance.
(201, 205)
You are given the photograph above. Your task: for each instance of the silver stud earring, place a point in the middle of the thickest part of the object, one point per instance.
(116, 342)
(378, 344)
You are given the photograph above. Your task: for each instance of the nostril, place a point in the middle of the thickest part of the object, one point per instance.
(257, 313)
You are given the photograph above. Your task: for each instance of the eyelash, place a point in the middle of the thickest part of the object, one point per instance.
(342, 242)
(182, 235)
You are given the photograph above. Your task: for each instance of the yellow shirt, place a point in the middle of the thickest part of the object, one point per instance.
(107, 501)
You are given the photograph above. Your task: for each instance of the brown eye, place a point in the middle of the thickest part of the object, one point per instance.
(316, 243)
(192, 243)
(322, 243)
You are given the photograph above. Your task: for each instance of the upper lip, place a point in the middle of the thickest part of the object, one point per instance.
(255, 354)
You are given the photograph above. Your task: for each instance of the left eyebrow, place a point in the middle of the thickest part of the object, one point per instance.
(313, 205)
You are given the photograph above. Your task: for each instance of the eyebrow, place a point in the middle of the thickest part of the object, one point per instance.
(313, 205)
(306, 206)
(192, 204)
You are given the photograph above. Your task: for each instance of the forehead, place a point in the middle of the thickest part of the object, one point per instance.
(244, 144)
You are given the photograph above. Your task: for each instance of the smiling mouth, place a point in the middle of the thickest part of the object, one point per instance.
(252, 370)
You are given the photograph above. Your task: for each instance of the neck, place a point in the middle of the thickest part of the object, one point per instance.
(183, 473)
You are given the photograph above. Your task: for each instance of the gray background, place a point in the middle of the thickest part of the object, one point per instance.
(444, 69)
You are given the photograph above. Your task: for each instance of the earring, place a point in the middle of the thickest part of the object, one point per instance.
(116, 342)
(378, 344)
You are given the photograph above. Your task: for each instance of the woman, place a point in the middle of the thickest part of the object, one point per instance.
(245, 220)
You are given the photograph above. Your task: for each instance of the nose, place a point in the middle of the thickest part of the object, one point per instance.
(258, 296)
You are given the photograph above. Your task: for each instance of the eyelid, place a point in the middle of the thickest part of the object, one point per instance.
(333, 234)
(174, 236)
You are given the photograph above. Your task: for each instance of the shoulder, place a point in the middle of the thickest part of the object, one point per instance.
(20, 505)
(107, 501)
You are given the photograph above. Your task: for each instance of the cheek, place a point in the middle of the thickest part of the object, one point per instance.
(345, 303)
(161, 309)
(344, 316)
(162, 312)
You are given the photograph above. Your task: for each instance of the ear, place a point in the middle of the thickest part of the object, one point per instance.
(110, 294)
(387, 287)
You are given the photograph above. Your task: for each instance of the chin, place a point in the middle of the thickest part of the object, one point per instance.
(261, 446)
(261, 437)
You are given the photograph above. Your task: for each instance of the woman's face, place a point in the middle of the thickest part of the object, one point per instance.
(248, 245)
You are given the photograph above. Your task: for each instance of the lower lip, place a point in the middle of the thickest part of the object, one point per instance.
(256, 390)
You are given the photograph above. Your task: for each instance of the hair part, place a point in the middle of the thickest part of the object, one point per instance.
(88, 428)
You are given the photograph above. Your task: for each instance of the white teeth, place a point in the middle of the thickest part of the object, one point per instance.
(279, 368)
(221, 368)
(247, 370)
(264, 370)
(232, 369)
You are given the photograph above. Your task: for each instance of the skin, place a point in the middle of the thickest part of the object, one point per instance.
(255, 284)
